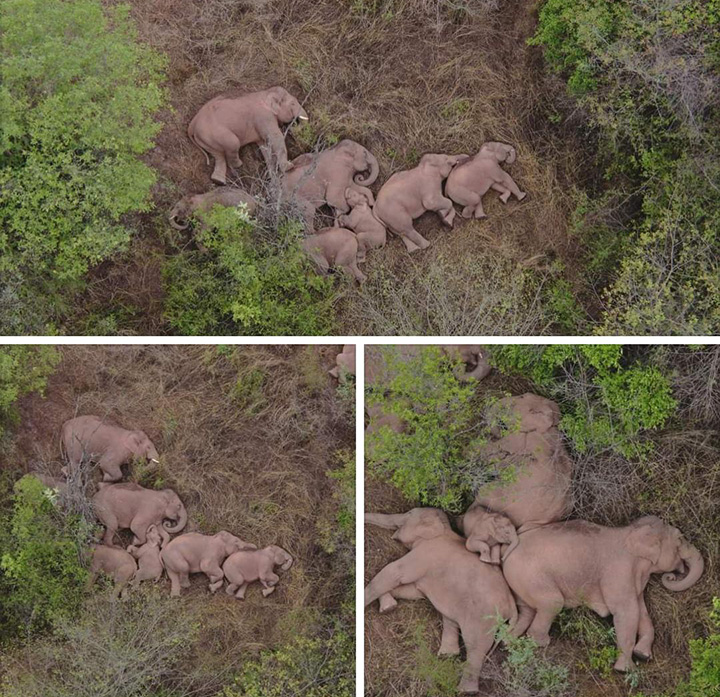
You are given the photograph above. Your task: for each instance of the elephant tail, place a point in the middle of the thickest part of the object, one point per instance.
(194, 140)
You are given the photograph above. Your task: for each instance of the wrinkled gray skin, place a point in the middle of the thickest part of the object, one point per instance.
(344, 361)
(409, 194)
(90, 438)
(224, 125)
(150, 566)
(123, 506)
(194, 553)
(227, 196)
(487, 532)
(467, 593)
(577, 563)
(321, 178)
(334, 247)
(469, 182)
(242, 568)
(477, 365)
(114, 562)
(371, 233)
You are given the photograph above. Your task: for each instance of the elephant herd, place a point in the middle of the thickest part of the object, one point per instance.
(518, 557)
(339, 177)
(153, 516)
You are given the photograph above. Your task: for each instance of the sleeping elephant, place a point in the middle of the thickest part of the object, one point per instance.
(150, 566)
(228, 196)
(224, 125)
(409, 194)
(344, 361)
(486, 532)
(123, 506)
(476, 363)
(242, 568)
(469, 595)
(323, 177)
(470, 181)
(371, 233)
(89, 437)
(194, 553)
(334, 247)
(577, 563)
(114, 562)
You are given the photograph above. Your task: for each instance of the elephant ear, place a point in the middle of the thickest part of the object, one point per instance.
(274, 99)
(645, 541)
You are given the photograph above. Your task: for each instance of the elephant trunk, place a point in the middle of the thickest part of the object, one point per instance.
(388, 521)
(287, 563)
(173, 219)
(179, 525)
(511, 156)
(513, 543)
(694, 561)
(374, 171)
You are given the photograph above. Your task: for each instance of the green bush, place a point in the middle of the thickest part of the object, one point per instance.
(247, 282)
(77, 99)
(338, 533)
(42, 568)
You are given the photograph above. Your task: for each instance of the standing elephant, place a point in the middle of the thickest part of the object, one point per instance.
(123, 506)
(469, 595)
(89, 437)
(486, 532)
(409, 194)
(344, 361)
(577, 563)
(469, 182)
(195, 553)
(242, 568)
(323, 178)
(228, 196)
(334, 247)
(224, 125)
(150, 566)
(371, 233)
(114, 562)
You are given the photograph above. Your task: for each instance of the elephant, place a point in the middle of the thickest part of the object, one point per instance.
(224, 125)
(486, 532)
(334, 247)
(121, 506)
(51, 482)
(114, 562)
(242, 568)
(371, 233)
(380, 419)
(150, 564)
(344, 361)
(470, 181)
(89, 437)
(476, 366)
(194, 553)
(228, 196)
(578, 563)
(324, 177)
(469, 595)
(409, 194)
(528, 446)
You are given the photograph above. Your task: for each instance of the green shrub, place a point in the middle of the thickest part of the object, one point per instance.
(77, 99)
(338, 533)
(582, 626)
(42, 568)
(440, 674)
(247, 282)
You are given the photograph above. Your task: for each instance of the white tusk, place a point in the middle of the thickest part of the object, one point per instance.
(303, 118)
(152, 459)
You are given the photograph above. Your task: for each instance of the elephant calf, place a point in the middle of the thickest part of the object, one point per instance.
(114, 562)
(335, 247)
(150, 564)
(577, 563)
(227, 196)
(344, 361)
(242, 568)
(472, 355)
(371, 233)
(487, 532)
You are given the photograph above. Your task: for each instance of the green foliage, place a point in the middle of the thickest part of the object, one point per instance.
(585, 627)
(23, 369)
(246, 282)
(42, 568)
(77, 99)
(441, 675)
(562, 306)
(607, 400)
(339, 533)
(426, 462)
(307, 667)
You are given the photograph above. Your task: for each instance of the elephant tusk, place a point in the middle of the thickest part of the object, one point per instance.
(152, 459)
(304, 118)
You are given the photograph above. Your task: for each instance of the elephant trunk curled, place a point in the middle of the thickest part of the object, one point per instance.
(179, 525)
(694, 561)
(374, 171)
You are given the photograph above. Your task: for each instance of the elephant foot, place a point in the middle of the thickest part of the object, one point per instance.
(469, 686)
(480, 216)
(642, 653)
(504, 197)
(523, 194)
(387, 604)
(468, 212)
(624, 665)
(361, 257)
(542, 640)
(215, 586)
(449, 651)
(448, 219)
(218, 181)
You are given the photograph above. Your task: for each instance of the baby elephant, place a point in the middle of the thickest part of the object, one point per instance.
(89, 437)
(335, 247)
(344, 361)
(150, 564)
(371, 233)
(242, 568)
(486, 532)
(114, 562)
(227, 196)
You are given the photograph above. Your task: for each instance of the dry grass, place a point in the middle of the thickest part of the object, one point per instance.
(246, 436)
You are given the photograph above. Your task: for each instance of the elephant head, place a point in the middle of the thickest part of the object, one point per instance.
(355, 197)
(413, 527)
(179, 216)
(232, 543)
(142, 446)
(362, 161)
(285, 107)
(174, 510)
(667, 551)
(280, 557)
(154, 536)
(484, 529)
(441, 165)
(499, 151)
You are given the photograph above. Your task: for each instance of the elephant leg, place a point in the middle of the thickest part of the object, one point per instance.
(450, 642)
(219, 173)
(363, 245)
(646, 632)
(398, 573)
(214, 573)
(91, 579)
(275, 152)
(110, 530)
(503, 191)
(139, 527)
(111, 470)
(413, 239)
(231, 588)
(525, 617)
(539, 629)
(495, 554)
(507, 181)
(335, 197)
(174, 583)
(353, 270)
(479, 637)
(467, 198)
(442, 206)
(240, 595)
(388, 601)
(626, 619)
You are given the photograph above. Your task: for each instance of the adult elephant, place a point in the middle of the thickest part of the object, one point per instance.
(469, 595)
(123, 506)
(193, 553)
(226, 196)
(321, 178)
(224, 125)
(577, 563)
(409, 194)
